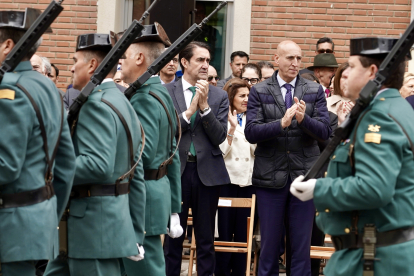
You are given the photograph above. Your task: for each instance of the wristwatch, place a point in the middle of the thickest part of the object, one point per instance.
(204, 110)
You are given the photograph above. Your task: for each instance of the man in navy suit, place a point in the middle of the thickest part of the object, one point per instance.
(203, 111)
(410, 99)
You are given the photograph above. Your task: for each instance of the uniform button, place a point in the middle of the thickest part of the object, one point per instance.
(288, 152)
(333, 157)
(182, 203)
(317, 214)
(99, 90)
(347, 230)
(326, 210)
(247, 159)
(145, 232)
(237, 159)
(326, 173)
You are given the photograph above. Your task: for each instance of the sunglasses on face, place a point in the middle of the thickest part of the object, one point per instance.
(252, 80)
(210, 78)
(321, 51)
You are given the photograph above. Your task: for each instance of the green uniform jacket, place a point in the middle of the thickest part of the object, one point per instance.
(104, 227)
(163, 195)
(382, 189)
(30, 232)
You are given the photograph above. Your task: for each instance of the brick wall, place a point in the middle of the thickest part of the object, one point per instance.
(78, 17)
(306, 21)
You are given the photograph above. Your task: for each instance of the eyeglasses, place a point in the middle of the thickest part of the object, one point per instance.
(321, 51)
(210, 78)
(252, 80)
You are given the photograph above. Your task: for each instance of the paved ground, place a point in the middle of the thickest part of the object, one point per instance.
(184, 269)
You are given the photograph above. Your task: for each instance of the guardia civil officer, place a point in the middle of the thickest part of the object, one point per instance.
(155, 109)
(366, 202)
(34, 184)
(105, 223)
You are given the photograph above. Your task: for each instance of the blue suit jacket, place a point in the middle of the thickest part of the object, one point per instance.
(410, 100)
(207, 134)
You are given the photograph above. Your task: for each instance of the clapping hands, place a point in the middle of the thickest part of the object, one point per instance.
(297, 109)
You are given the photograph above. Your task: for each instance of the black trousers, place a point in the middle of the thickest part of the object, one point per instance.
(232, 223)
(203, 201)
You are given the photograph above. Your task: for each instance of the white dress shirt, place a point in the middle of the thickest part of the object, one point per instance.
(283, 89)
(187, 96)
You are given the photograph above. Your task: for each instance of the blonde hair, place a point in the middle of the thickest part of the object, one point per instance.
(407, 77)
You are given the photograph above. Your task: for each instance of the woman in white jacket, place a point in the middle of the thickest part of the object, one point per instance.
(239, 158)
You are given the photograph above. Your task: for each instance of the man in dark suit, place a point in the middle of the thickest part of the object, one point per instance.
(203, 111)
(238, 60)
(72, 93)
(286, 117)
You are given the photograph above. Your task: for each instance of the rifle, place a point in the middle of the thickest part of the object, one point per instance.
(31, 36)
(367, 94)
(170, 53)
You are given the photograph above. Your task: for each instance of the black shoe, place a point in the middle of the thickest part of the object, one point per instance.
(282, 267)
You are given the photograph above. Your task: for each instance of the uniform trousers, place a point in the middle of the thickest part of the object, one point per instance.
(232, 226)
(203, 201)
(153, 263)
(278, 208)
(24, 268)
(83, 267)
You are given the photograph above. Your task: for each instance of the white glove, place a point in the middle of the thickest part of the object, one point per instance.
(175, 230)
(303, 190)
(140, 255)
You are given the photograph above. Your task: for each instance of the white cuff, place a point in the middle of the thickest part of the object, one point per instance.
(185, 118)
(205, 113)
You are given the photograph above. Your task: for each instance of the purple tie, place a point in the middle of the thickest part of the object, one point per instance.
(288, 97)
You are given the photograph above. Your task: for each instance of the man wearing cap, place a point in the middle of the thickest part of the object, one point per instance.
(34, 185)
(155, 109)
(367, 198)
(324, 67)
(105, 223)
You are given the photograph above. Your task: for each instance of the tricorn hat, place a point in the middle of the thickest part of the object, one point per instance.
(324, 60)
(21, 20)
(154, 33)
(101, 42)
(372, 46)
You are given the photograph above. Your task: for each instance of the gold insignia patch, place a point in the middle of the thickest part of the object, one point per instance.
(372, 138)
(373, 128)
(7, 94)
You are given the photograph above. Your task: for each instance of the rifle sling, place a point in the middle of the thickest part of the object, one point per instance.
(129, 173)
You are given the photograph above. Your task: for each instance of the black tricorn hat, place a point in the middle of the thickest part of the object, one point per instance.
(324, 60)
(21, 20)
(372, 46)
(154, 33)
(101, 42)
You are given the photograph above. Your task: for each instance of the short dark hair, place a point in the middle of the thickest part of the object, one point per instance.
(56, 69)
(309, 76)
(187, 52)
(265, 64)
(395, 80)
(238, 54)
(324, 40)
(99, 56)
(15, 35)
(231, 88)
(252, 66)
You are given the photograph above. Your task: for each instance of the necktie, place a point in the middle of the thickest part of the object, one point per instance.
(327, 92)
(288, 97)
(192, 120)
(240, 118)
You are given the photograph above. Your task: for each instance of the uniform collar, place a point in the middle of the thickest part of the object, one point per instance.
(386, 93)
(24, 66)
(105, 86)
(153, 80)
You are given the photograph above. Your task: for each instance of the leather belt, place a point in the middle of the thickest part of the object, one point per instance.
(191, 158)
(82, 191)
(156, 174)
(353, 241)
(26, 198)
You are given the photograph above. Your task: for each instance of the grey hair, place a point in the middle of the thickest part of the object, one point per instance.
(15, 35)
(151, 50)
(47, 67)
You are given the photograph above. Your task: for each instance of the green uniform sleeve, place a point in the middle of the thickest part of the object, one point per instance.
(174, 175)
(16, 121)
(137, 200)
(377, 166)
(96, 136)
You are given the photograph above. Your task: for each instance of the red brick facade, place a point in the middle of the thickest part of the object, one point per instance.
(306, 21)
(272, 21)
(78, 17)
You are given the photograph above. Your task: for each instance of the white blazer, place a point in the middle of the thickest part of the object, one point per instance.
(239, 157)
